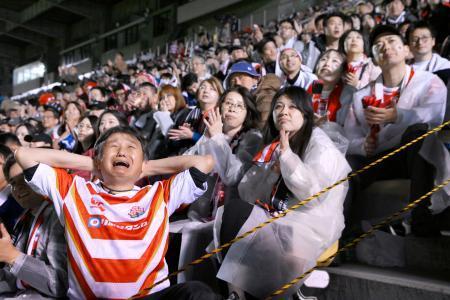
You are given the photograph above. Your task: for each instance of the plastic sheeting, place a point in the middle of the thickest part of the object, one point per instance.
(274, 255)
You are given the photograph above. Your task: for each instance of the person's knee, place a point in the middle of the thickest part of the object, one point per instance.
(414, 131)
(356, 161)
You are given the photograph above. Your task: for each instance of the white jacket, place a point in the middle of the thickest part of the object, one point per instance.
(274, 255)
(435, 64)
(305, 77)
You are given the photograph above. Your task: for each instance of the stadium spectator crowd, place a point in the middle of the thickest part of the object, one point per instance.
(212, 139)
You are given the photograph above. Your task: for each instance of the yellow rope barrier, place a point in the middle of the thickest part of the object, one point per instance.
(292, 208)
(361, 237)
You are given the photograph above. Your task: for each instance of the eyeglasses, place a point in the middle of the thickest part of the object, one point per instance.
(237, 106)
(417, 39)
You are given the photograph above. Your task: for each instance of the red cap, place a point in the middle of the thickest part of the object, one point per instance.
(45, 98)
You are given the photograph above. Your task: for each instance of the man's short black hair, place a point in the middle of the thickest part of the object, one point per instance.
(288, 20)
(100, 143)
(101, 89)
(10, 160)
(386, 2)
(148, 84)
(260, 46)
(4, 151)
(383, 30)
(419, 25)
(55, 113)
(9, 137)
(333, 14)
(188, 80)
(57, 89)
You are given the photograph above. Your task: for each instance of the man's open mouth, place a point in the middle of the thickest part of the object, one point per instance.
(121, 164)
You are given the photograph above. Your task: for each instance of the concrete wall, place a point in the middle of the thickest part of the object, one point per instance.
(27, 86)
(200, 8)
(127, 51)
(183, 20)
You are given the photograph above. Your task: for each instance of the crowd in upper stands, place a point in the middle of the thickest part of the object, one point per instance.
(252, 121)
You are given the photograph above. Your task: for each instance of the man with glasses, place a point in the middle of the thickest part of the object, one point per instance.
(51, 118)
(399, 106)
(35, 251)
(421, 39)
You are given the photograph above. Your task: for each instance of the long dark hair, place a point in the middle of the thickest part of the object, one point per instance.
(31, 129)
(117, 114)
(299, 141)
(79, 147)
(344, 37)
(252, 117)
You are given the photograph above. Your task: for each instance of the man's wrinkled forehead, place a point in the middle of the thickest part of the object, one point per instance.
(121, 136)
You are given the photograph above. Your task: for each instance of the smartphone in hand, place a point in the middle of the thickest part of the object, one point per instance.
(317, 87)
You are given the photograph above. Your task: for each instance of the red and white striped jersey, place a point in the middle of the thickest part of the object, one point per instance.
(115, 243)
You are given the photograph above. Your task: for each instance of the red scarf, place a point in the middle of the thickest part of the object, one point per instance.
(265, 155)
(384, 100)
(333, 103)
(262, 157)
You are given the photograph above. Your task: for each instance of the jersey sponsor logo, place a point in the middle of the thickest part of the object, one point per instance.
(137, 226)
(97, 204)
(136, 211)
(95, 222)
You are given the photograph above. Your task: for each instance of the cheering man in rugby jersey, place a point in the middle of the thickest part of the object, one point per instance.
(117, 233)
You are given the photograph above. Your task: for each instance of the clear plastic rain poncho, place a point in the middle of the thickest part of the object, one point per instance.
(274, 255)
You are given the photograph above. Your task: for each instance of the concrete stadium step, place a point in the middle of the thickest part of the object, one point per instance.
(422, 254)
(361, 282)
(428, 253)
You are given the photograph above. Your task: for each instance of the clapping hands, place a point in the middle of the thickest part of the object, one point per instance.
(213, 123)
(183, 132)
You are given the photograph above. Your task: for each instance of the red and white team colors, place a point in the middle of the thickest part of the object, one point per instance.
(115, 243)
